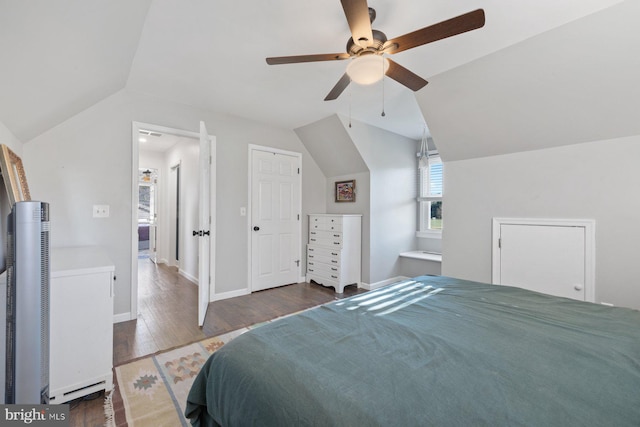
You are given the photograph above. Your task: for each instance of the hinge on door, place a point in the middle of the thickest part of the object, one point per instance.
(499, 243)
(298, 262)
(298, 171)
(298, 217)
(209, 279)
(209, 219)
(210, 160)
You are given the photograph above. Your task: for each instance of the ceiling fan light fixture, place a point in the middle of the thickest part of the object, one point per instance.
(367, 69)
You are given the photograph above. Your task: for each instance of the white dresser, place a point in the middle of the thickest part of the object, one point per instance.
(334, 250)
(81, 323)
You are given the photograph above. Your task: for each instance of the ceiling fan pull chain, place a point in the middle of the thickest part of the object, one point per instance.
(350, 92)
(383, 114)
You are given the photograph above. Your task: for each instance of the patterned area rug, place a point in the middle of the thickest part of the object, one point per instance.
(152, 391)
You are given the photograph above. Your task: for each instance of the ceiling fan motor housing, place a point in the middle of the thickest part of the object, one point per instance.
(379, 39)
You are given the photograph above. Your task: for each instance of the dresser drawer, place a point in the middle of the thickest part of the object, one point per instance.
(324, 269)
(325, 226)
(332, 243)
(325, 219)
(332, 235)
(327, 223)
(325, 255)
(323, 273)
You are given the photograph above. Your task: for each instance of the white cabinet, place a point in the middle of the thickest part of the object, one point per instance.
(552, 256)
(334, 250)
(81, 323)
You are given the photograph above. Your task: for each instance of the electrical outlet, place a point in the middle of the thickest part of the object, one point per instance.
(100, 211)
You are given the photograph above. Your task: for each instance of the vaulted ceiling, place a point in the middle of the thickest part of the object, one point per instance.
(59, 57)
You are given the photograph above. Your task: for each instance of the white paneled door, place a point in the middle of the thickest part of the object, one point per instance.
(275, 219)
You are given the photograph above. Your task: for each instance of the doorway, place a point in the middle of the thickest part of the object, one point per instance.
(147, 213)
(176, 156)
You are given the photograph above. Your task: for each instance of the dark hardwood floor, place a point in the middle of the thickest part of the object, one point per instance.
(167, 318)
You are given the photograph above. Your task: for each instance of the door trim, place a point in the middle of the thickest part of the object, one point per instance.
(252, 148)
(589, 226)
(135, 159)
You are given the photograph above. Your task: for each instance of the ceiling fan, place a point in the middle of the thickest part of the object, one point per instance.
(367, 45)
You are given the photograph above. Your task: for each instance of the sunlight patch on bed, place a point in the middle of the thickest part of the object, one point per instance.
(382, 291)
(391, 298)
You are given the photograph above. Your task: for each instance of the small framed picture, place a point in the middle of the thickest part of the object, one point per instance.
(13, 173)
(346, 191)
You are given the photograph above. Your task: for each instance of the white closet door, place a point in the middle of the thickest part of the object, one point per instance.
(552, 259)
(275, 235)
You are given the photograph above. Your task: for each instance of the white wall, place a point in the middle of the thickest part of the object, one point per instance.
(87, 160)
(391, 160)
(597, 180)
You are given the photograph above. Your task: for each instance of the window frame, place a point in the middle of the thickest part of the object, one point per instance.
(424, 202)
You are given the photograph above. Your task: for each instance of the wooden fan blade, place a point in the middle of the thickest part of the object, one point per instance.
(451, 27)
(338, 88)
(405, 77)
(307, 58)
(357, 13)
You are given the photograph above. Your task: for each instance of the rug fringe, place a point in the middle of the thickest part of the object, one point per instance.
(109, 413)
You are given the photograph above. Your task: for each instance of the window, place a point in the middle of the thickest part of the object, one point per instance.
(430, 197)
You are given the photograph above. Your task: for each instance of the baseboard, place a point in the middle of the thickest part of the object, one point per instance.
(230, 294)
(187, 276)
(372, 286)
(122, 317)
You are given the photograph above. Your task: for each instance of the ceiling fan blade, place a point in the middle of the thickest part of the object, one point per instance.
(405, 77)
(338, 88)
(307, 58)
(451, 27)
(357, 13)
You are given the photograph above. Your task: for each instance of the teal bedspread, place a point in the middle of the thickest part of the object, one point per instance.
(430, 351)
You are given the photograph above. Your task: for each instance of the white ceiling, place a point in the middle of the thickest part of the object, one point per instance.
(59, 57)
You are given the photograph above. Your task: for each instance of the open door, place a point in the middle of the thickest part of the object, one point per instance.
(204, 255)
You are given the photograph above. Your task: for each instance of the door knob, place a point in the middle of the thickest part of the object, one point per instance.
(256, 228)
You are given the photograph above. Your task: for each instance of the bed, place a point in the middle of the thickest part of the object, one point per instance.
(430, 351)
